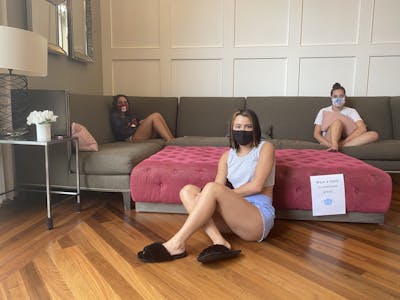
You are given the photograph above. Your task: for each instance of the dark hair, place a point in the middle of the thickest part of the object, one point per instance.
(256, 127)
(114, 108)
(337, 86)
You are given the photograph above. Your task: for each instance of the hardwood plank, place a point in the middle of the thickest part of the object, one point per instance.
(93, 255)
(55, 284)
(81, 277)
(13, 287)
(34, 282)
(131, 273)
(106, 269)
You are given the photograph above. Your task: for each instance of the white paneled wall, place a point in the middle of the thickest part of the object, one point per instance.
(250, 47)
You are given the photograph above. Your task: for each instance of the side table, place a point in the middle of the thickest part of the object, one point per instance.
(22, 140)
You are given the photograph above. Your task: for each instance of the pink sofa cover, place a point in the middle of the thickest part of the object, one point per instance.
(159, 178)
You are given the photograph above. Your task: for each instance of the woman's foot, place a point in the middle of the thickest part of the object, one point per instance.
(174, 248)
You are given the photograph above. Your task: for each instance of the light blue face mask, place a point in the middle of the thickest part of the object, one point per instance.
(338, 102)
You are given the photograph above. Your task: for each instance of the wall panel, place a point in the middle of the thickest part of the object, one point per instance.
(197, 23)
(386, 21)
(327, 22)
(196, 77)
(262, 23)
(258, 77)
(136, 77)
(135, 23)
(384, 76)
(247, 48)
(317, 75)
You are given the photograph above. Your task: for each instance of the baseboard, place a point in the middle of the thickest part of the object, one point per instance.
(293, 214)
(160, 208)
(352, 217)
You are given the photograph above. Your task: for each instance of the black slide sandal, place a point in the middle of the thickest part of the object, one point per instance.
(156, 252)
(217, 252)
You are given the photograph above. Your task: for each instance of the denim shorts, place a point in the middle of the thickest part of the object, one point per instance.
(264, 205)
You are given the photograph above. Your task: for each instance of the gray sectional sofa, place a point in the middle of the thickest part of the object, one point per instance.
(196, 121)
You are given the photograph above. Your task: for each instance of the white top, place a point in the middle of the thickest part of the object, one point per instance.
(241, 169)
(347, 111)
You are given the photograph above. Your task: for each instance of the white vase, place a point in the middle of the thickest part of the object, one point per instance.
(43, 132)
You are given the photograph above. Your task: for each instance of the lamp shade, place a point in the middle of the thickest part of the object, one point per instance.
(22, 51)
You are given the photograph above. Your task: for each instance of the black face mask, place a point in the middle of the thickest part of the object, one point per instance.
(242, 137)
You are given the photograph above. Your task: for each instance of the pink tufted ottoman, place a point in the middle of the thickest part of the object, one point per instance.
(155, 182)
(159, 178)
(368, 189)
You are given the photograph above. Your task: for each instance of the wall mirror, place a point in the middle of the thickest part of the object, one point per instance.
(80, 33)
(50, 19)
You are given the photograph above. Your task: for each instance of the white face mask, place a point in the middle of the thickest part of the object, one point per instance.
(338, 102)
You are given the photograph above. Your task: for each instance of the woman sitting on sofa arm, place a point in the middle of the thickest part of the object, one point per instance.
(126, 127)
(341, 126)
(245, 210)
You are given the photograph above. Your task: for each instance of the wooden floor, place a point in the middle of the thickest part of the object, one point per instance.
(92, 255)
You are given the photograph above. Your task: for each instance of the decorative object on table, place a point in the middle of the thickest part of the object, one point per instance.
(43, 120)
(22, 53)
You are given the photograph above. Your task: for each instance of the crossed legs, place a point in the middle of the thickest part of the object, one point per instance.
(154, 123)
(335, 134)
(240, 216)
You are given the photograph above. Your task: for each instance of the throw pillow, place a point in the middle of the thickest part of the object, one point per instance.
(331, 116)
(86, 140)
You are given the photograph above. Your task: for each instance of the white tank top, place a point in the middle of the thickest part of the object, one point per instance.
(241, 169)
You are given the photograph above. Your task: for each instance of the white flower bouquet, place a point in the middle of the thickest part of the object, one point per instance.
(41, 117)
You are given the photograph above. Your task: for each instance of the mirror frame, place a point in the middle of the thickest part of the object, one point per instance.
(60, 26)
(85, 52)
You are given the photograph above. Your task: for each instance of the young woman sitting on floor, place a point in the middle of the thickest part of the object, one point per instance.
(246, 210)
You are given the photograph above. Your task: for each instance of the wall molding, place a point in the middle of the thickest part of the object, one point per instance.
(237, 56)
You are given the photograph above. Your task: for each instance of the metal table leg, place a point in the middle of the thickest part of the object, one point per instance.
(49, 218)
(78, 189)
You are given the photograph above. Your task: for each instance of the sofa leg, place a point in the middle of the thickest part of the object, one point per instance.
(127, 200)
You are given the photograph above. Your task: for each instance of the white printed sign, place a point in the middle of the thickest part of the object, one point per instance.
(328, 195)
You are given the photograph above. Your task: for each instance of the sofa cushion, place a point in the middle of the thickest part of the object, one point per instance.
(92, 111)
(114, 158)
(290, 117)
(295, 144)
(375, 112)
(395, 109)
(200, 141)
(166, 106)
(206, 116)
(380, 150)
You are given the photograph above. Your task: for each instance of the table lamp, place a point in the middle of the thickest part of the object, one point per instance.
(22, 53)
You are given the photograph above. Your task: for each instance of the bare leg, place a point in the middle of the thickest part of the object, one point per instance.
(334, 135)
(154, 122)
(362, 139)
(242, 217)
(165, 125)
(190, 195)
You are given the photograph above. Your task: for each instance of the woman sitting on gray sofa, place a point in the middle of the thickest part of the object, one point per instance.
(340, 126)
(126, 127)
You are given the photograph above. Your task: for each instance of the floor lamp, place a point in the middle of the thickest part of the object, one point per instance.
(22, 53)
